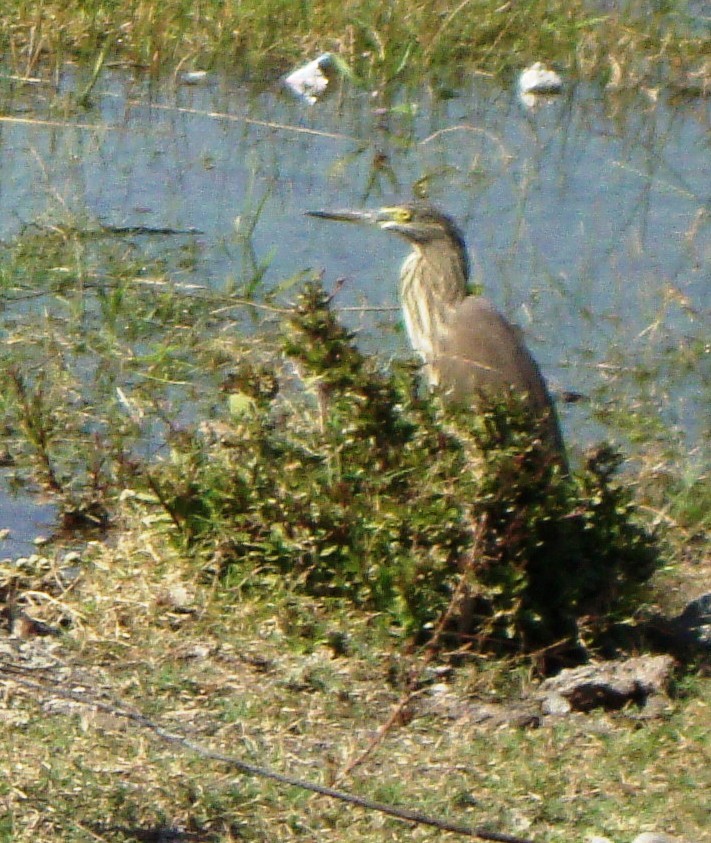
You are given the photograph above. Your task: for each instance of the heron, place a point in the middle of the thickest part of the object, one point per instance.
(470, 351)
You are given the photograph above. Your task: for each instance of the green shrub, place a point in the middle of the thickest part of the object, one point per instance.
(362, 487)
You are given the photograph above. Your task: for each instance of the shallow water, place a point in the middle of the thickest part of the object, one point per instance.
(587, 216)
(25, 519)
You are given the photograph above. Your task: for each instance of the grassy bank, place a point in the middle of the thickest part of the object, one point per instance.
(110, 367)
(381, 41)
(303, 687)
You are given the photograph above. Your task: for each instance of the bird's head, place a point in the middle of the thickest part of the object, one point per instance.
(417, 222)
(420, 223)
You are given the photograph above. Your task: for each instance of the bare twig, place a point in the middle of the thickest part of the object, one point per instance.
(13, 674)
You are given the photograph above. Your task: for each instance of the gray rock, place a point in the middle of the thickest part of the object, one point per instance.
(609, 685)
(556, 704)
(688, 632)
(645, 837)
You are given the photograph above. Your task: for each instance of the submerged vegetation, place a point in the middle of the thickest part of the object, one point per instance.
(624, 43)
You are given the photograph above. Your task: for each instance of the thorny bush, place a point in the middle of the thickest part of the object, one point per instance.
(361, 486)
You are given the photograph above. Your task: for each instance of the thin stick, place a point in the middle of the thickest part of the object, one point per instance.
(11, 673)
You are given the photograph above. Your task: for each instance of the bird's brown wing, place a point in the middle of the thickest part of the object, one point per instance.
(482, 353)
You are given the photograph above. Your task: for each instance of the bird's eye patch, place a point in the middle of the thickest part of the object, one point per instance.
(398, 214)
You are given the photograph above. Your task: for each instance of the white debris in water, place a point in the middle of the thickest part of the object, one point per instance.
(311, 80)
(194, 77)
(538, 79)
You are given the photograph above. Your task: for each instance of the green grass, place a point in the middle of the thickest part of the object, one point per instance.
(381, 42)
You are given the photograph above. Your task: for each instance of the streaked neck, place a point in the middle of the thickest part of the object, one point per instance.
(431, 286)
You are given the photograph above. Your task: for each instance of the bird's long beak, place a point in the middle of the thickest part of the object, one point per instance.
(362, 217)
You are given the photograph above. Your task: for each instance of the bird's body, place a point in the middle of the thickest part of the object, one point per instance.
(469, 349)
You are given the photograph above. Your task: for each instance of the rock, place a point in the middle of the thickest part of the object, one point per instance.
(645, 837)
(556, 704)
(176, 596)
(442, 702)
(609, 685)
(688, 632)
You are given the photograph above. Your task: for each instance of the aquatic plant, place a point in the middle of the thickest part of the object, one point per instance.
(380, 42)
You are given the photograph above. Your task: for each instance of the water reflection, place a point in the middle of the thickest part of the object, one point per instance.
(22, 519)
(587, 217)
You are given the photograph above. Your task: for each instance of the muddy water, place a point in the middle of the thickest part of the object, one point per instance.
(587, 215)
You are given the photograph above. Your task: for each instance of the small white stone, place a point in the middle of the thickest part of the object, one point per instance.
(197, 651)
(556, 704)
(177, 596)
(655, 837)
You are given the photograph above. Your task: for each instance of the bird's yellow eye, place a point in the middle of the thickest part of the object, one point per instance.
(400, 215)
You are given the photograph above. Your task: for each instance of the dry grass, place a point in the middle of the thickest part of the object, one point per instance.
(263, 679)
